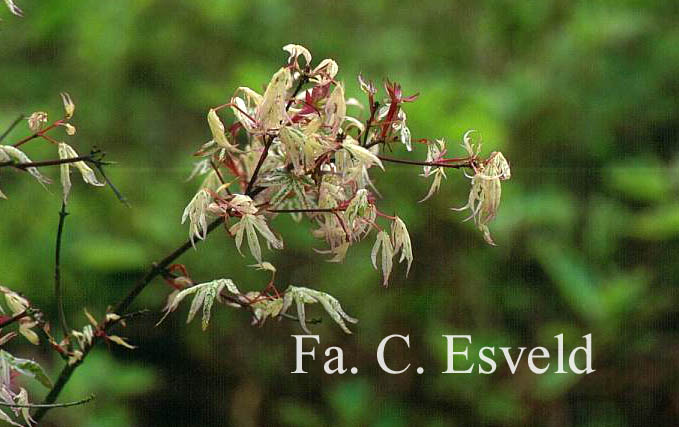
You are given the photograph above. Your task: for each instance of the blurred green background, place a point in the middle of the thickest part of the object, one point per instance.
(580, 96)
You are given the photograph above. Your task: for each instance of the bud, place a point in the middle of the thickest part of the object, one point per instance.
(325, 71)
(296, 51)
(37, 121)
(217, 129)
(70, 129)
(69, 106)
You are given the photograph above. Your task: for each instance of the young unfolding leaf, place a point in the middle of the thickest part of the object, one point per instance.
(383, 242)
(301, 296)
(85, 337)
(435, 152)
(70, 129)
(69, 106)
(205, 295)
(357, 207)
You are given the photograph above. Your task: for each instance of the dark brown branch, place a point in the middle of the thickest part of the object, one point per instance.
(57, 272)
(98, 165)
(368, 124)
(463, 164)
(159, 267)
(265, 154)
(45, 163)
(319, 210)
(302, 80)
(14, 318)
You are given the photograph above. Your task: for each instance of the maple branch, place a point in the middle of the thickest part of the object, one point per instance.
(55, 162)
(14, 318)
(49, 405)
(317, 210)
(464, 163)
(57, 271)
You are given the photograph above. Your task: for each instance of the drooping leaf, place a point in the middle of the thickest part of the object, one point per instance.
(401, 242)
(205, 295)
(363, 155)
(383, 242)
(301, 296)
(248, 224)
(8, 152)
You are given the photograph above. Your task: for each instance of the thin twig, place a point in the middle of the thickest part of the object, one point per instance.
(265, 153)
(302, 80)
(49, 405)
(134, 314)
(319, 210)
(11, 127)
(39, 133)
(45, 163)
(296, 319)
(113, 188)
(58, 291)
(464, 164)
(368, 123)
